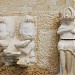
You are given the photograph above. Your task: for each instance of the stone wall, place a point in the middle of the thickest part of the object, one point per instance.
(28, 6)
(46, 13)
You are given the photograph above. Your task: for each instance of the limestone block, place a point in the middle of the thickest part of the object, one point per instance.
(12, 3)
(51, 2)
(61, 2)
(19, 9)
(3, 9)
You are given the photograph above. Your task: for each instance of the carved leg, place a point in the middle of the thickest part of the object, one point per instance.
(73, 65)
(63, 62)
(32, 57)
(69, 62)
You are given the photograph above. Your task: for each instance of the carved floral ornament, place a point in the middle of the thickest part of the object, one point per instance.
(17, 50)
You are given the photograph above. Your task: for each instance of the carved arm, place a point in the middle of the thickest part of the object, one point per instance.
(63, 29)
(21, 44)
(28, 48)
(73, 30)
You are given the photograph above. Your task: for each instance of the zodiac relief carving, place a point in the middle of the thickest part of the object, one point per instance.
(66, 44)
(18, 50)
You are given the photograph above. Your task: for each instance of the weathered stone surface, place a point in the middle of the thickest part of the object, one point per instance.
(20, 6)
(47, 24)
(51, 2)
(61, 2)
(46, 39)
(16, 70)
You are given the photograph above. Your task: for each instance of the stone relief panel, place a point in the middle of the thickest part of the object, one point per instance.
(17, 50)
(46, 39)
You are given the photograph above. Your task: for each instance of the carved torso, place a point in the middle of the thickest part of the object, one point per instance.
(67, 31)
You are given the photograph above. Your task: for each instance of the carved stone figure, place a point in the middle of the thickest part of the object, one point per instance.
(66, 44)
(7, 32)
(14, 49)
(26, 43)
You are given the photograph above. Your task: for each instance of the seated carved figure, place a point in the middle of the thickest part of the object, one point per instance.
(66, 44)
(26, 44)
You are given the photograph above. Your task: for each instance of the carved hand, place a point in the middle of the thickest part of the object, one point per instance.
(20, 44)
(73, 31)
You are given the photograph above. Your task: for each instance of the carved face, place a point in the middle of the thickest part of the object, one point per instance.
(68, 13)
(27, 30)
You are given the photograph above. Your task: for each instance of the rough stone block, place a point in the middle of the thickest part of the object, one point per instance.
(61, 2)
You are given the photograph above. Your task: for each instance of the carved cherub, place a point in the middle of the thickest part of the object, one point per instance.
(66, 45)
(26, 44)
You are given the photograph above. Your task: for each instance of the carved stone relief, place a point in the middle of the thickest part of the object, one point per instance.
(46, 41)
(66, 44)
(15, 50)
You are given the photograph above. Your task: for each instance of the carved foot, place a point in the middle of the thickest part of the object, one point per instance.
(16, 53)
(22, 63)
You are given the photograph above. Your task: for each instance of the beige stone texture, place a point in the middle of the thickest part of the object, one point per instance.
(46, 13)
(61, 2)
(20, 6)
(74, 4)
(47, 40)
(51, 2)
